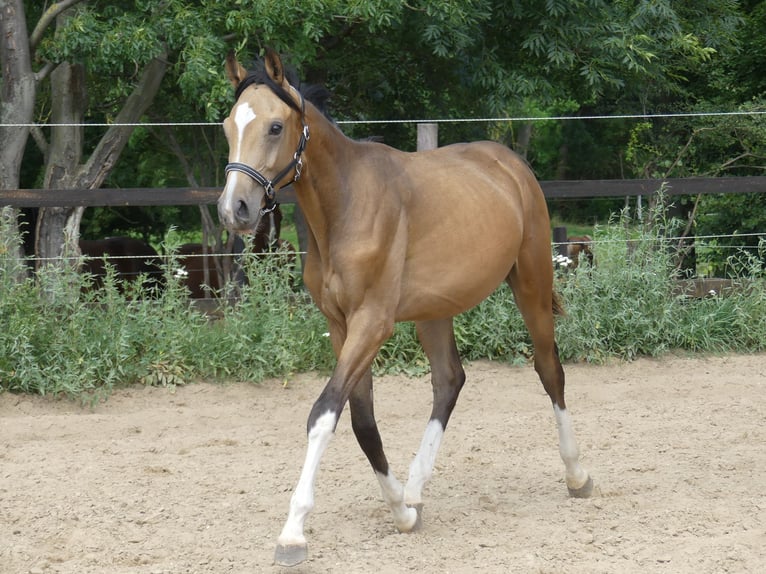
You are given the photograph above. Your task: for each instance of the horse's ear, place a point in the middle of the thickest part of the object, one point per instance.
(234, 70)
(274, 67)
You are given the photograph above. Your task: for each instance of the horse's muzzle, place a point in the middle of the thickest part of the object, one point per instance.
(237, 215)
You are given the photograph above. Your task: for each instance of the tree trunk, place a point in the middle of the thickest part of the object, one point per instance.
(16, 101)
(521, 146)
(68, 106)
(58, 229)
(562, 166)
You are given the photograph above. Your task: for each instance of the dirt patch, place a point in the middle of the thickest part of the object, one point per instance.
(198, 478)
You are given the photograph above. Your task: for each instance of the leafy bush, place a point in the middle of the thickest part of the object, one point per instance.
(57, 339)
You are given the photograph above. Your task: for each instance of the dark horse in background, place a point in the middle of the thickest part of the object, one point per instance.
(131, 259)
(579, 247)
(205, 273)
(202, 271)
(387, 243)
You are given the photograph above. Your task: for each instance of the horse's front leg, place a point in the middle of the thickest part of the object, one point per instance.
(291, 544)
(366, 430)
(355, 353)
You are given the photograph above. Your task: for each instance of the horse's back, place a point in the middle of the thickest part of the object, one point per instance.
(494, 165)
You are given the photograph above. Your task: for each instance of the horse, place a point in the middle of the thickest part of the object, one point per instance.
(579, 246)
(204, 272)
(131, 258)
(199, 270)
(386, 244)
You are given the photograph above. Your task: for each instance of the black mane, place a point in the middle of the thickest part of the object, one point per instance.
(317, 94)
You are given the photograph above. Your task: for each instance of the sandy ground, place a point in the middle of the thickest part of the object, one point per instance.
(198, 478)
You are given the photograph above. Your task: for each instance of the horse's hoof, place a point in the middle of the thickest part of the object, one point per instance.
(290, 554)
(584, 491)
(419, 519)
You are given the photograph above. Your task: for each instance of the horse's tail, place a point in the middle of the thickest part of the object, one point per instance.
(558, 306)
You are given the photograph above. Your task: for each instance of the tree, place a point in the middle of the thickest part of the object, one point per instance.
(381, 59)
(16, 98)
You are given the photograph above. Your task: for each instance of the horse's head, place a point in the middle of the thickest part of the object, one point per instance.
(267, 134)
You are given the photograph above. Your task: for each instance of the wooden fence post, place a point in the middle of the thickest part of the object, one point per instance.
(560, 239)
(428, 136)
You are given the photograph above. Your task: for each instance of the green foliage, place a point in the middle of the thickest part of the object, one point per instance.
(625, 305)
(420, 59)
(63, 342)
(731, 145)
(748, 69)
(394, 60)
(66, 342)
(493, 330)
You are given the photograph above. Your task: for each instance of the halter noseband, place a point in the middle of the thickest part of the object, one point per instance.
(268, 184)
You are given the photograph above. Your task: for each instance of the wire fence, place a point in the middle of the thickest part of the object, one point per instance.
(498, 119)
(700, 241)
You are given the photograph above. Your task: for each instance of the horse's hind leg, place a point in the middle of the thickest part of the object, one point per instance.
(367, 435)
(533, 292)
(447, 377)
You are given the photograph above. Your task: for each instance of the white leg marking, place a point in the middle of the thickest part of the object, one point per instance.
(576, 476)
(422, 466)
(302, 501)
(393, 493)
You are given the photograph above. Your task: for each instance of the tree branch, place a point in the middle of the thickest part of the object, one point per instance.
(39, 137)
(44, 72)
(45, 20)
(17, 96)
(175, 147)
(683, 149)
(108, 150)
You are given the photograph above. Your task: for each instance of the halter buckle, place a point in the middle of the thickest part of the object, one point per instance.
(269, 189)
(269, 208)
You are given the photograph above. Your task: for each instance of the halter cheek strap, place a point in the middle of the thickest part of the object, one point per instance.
(295, 164)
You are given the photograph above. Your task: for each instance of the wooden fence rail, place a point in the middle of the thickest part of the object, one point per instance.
(209, 195)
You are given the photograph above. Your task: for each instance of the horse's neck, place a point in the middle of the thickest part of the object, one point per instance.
(321, 191)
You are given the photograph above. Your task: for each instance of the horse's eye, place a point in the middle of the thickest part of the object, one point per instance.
(275, 129)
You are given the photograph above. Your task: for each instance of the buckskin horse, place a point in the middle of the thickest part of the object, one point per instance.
(387, 244)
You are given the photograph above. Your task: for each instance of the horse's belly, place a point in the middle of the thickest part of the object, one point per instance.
(435, 290)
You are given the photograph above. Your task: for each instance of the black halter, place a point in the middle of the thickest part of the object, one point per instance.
(296, 163)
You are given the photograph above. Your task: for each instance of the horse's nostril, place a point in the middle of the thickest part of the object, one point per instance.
(242, 213)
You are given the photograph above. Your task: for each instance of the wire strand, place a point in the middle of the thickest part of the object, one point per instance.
(503, 119)
(699, 240)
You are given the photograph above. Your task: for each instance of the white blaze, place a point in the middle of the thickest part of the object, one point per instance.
(243, 115)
